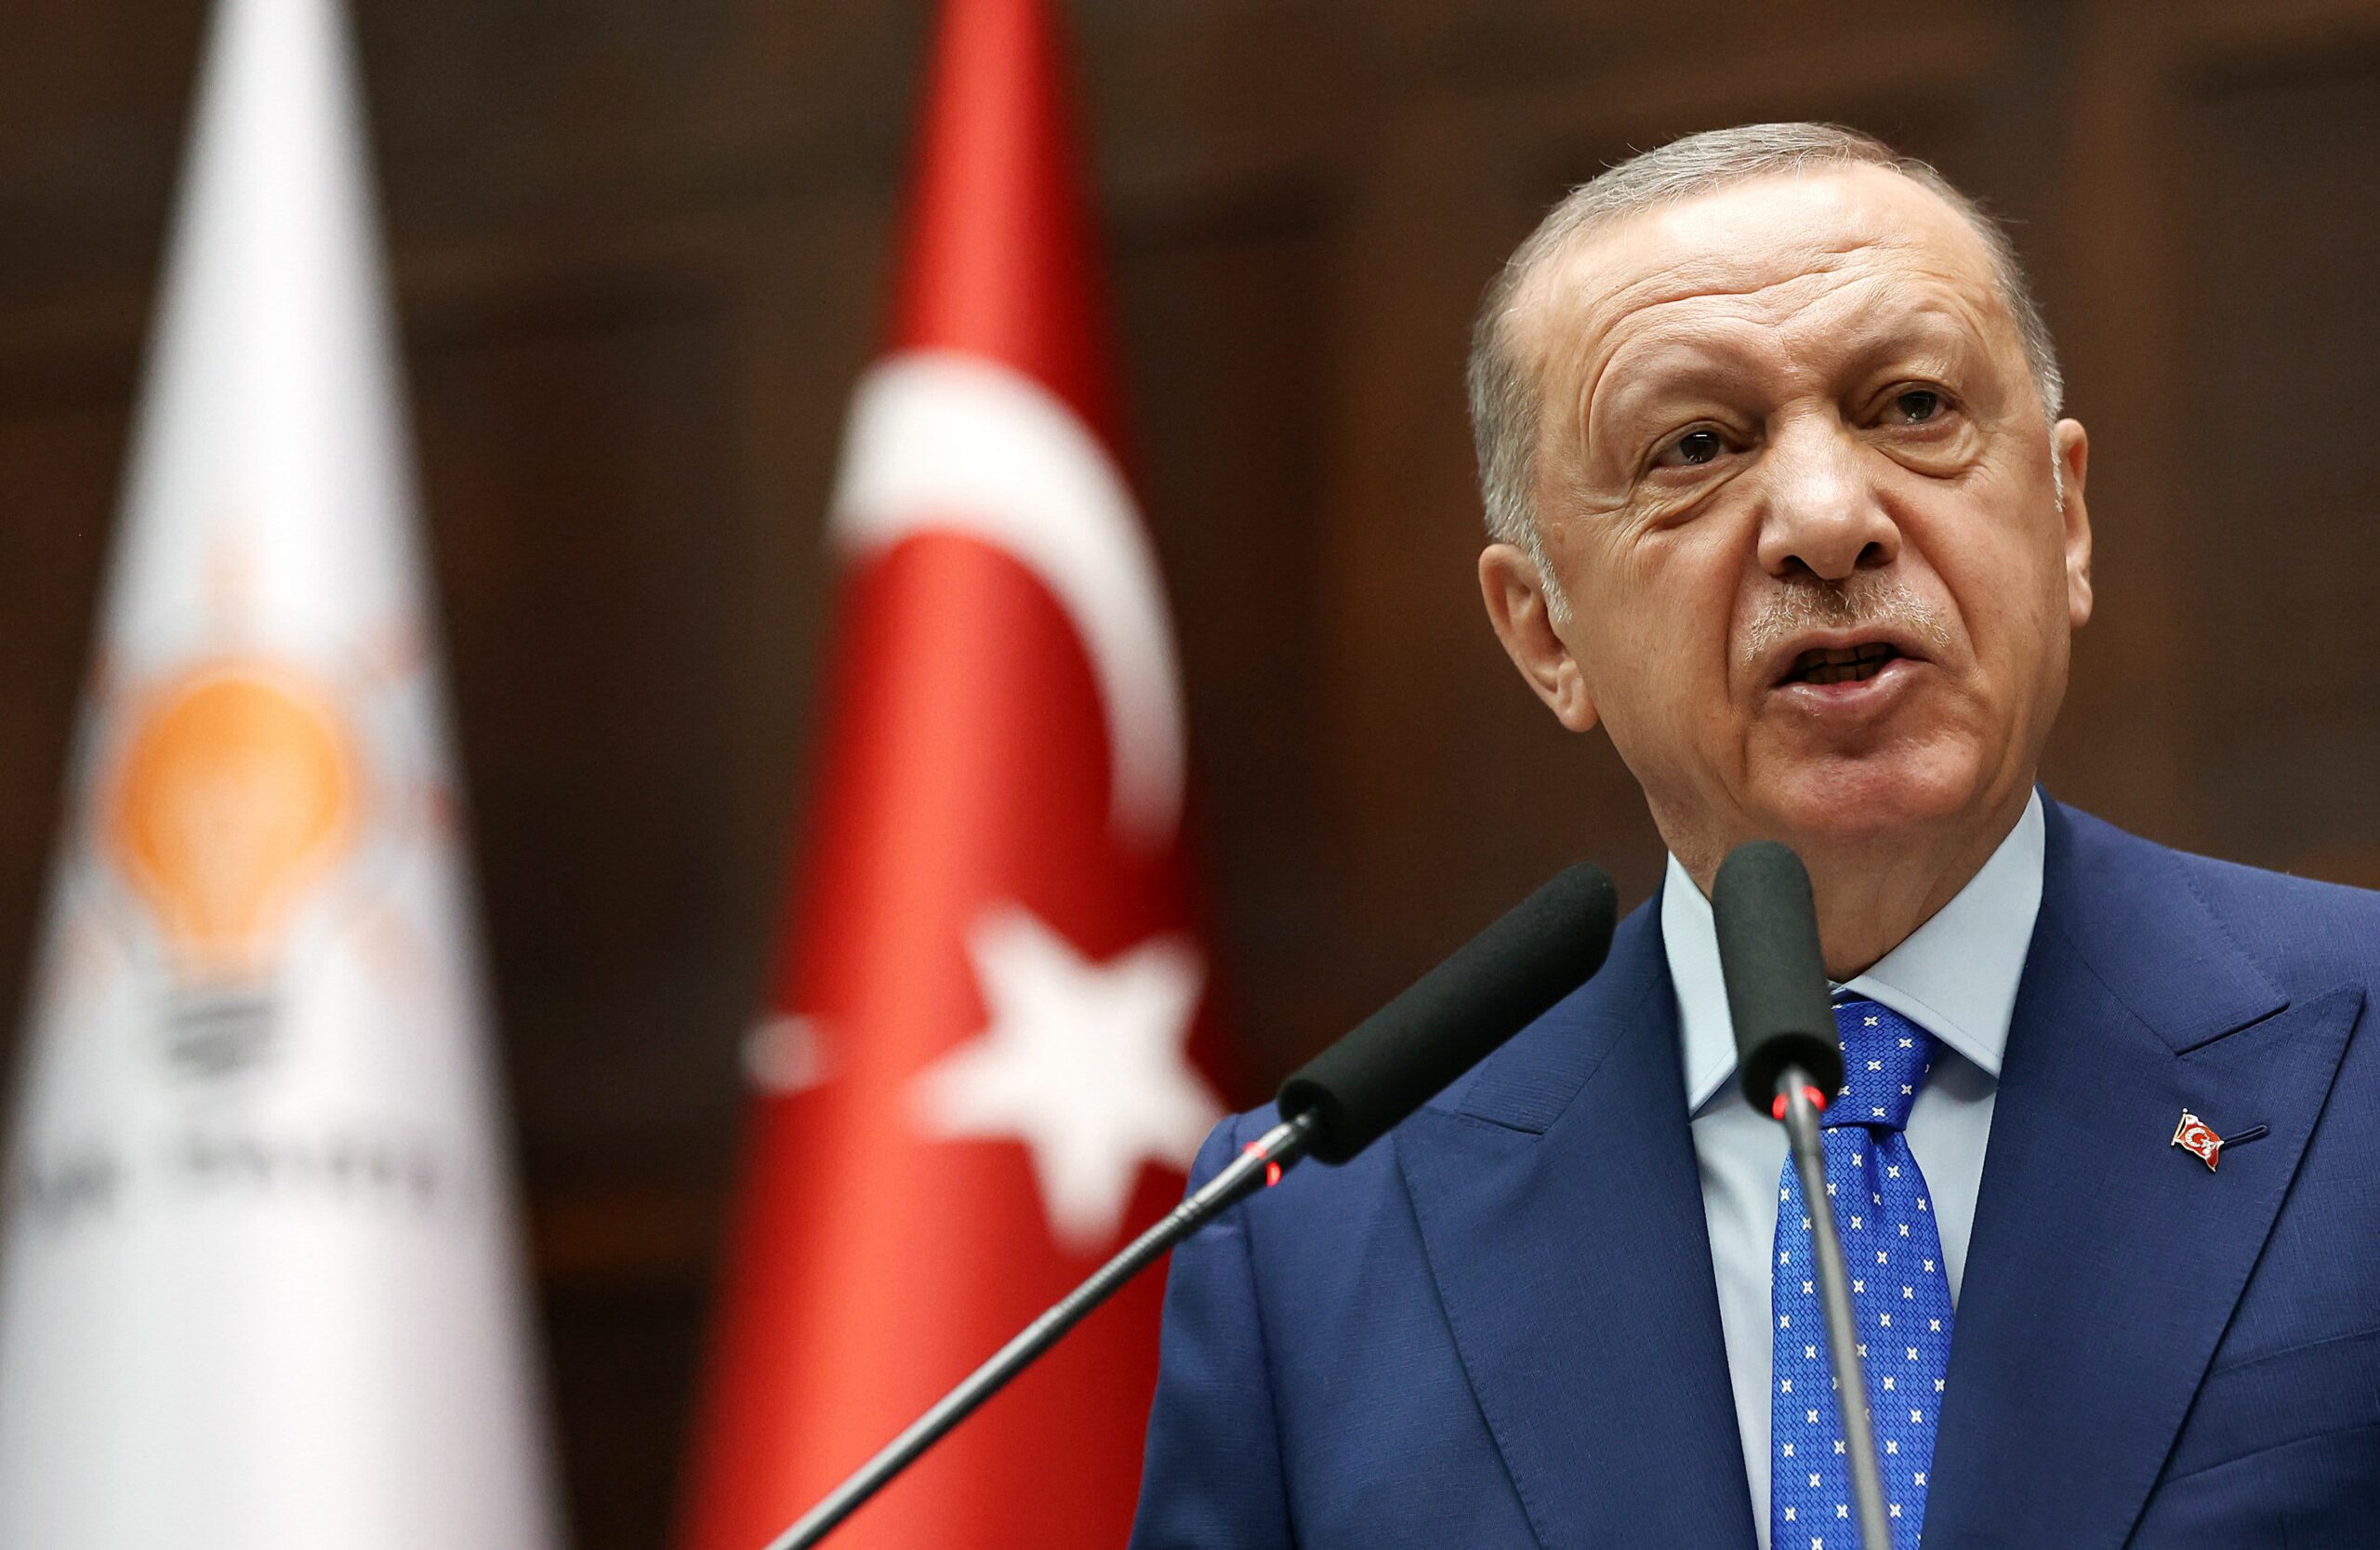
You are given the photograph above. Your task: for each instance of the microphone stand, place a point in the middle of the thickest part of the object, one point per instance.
(1799, 1101)
(1259, 1166)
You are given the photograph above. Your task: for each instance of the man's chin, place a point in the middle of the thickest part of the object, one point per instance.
(1858, 802)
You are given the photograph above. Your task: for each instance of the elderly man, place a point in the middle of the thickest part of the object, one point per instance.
(1780, 498)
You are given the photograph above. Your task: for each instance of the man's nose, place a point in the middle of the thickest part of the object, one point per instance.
(1822, 514)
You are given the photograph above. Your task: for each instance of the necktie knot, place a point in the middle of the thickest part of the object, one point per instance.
(1885, 1058)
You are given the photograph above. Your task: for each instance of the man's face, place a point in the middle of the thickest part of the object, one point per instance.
(1797, 489)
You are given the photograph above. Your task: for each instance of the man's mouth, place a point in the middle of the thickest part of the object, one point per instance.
(1840, 664)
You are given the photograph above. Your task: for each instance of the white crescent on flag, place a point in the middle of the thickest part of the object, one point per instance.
(945, 441)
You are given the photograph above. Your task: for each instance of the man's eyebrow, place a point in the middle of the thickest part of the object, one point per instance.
(1937, 332)
(1698, 371)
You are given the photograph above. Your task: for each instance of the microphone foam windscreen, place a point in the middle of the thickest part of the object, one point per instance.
(1768, 926)
(1449, 1020)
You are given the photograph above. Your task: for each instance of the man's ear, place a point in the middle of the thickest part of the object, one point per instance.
(2070, 448)
(1518, 607)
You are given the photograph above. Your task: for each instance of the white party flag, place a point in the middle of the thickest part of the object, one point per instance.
(260, 1277)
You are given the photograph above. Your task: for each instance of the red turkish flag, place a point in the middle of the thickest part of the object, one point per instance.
(980, 1079)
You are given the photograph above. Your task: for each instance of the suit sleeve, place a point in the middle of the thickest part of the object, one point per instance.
(1213, 1479)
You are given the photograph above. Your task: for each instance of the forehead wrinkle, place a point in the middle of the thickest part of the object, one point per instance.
(1710, 276)
(1772, 304)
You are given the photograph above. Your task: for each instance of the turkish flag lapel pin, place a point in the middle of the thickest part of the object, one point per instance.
(2194, 1137)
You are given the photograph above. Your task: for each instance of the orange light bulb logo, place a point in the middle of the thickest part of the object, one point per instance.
(235, 793)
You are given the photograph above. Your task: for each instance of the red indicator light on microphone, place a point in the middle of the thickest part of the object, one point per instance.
(1817, 1101)
(1271, 1169)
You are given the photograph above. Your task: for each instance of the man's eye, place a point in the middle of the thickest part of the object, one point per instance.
(1691, 450)
(1917, 405)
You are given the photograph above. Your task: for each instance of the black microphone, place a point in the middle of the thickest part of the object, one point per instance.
(1767, 925)
(1456, 1015)
(1333, 1107)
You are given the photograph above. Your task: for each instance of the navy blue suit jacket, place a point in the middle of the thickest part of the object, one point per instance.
(1499, 1327)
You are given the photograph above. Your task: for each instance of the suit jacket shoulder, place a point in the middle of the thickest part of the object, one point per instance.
(2304, 932)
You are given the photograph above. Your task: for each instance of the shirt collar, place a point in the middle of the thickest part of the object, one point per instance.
(1955, 976)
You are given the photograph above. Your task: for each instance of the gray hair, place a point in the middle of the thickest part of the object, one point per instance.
(1504, 404)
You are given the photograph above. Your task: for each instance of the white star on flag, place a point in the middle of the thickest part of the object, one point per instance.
(1083, 1064)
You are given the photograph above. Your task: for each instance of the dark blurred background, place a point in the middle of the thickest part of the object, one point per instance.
(639, 245)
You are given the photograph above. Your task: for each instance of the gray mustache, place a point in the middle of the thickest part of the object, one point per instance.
(1867, 601)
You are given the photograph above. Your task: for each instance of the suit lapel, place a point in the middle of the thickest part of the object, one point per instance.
(1561, 1211)
(2104, 1261)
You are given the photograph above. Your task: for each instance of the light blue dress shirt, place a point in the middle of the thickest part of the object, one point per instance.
(1956, 975)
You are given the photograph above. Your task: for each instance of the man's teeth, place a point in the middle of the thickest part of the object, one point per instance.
(1840, 664)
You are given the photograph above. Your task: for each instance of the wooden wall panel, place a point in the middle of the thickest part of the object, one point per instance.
(579, 481)
(58, 480)
(1225, 333)
(2115, 302)
(2282, 328)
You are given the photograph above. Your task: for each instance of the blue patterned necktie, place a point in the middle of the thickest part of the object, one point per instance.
(1899, 1296)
